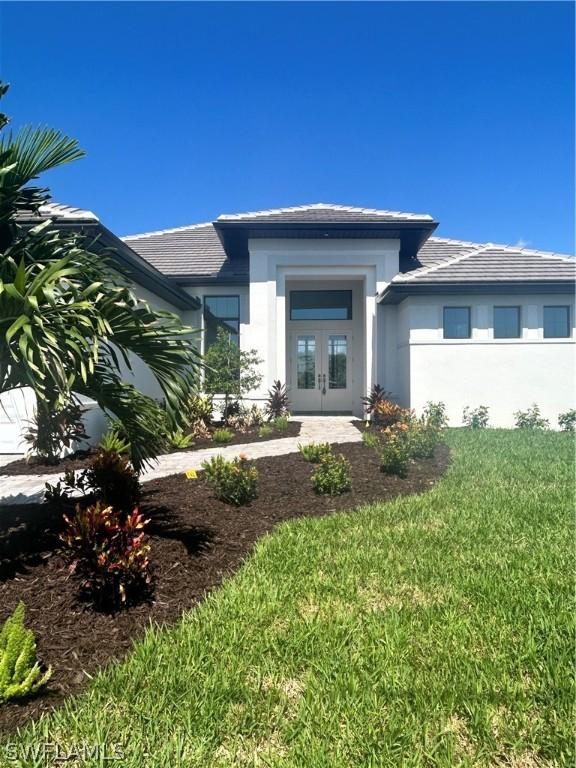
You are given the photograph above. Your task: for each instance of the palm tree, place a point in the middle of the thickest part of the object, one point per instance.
(68, 317)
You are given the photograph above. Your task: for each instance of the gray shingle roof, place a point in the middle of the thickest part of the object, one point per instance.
(58, 211)
(325, 213)
(194, 251)
(446, 261)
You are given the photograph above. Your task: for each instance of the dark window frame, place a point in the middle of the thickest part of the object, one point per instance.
(518, 309)
(205, 310)
(568, 333)
(468, 310)
(349, 304)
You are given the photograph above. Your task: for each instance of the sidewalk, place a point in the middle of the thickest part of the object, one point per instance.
(29, 489)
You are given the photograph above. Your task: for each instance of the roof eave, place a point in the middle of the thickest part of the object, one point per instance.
(394, 293)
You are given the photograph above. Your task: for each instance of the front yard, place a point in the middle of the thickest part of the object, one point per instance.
(430, 630)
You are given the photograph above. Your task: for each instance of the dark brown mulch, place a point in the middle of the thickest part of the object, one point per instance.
(196, 541)
(81, 459)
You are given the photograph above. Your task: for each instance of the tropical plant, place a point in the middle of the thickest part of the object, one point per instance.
(68, 317)
(20, 673)
(475, 418)
(178, 440)
(235, 482)
(110, 551)
(265, 431)
(277, 404)
(386, 413)
(50, 431)
(113, 442)
(222, 435)
(567, 421)
(376, 396)
(332, 476)
(245, 418)
(370, 439)
(315, 452)
(200, 411)
(530, 419)
(230, 371)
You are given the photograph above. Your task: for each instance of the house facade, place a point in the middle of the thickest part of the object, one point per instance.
(337, 298)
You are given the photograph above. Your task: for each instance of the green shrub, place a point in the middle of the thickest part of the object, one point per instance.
(113, 442)
(200, 409)
(332, 476)
(265, 431)
(245, 418)
(222, 435)
(235, 482)
(110, 551)
(475, 418)
(315, 452)
(567, 421)
(531, 419)
(435, 415)
(20, 673)
(386, 413)
(178, 440)
(422, 438)
(370, 440)
(280, 423)
(394, 450)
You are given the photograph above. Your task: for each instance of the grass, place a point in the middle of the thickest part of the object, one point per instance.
(223, 435)
(430, 631)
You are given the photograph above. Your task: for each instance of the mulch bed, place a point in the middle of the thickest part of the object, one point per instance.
(81, 459)
(196, 542)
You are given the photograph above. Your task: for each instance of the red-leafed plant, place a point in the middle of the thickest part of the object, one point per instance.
(111, 552)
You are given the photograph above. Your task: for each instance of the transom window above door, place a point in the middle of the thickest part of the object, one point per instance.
(320, 305)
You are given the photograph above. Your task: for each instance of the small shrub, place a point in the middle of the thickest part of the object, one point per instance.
(51, 430)
(422, 438)
(435, 415)
(113, 442)
(20, 673)
(246, 418)
(113, 480)
(280, 423)
(265, 431)
(178, 440)
(567, 421)
(387, 413)
(394, 450)
(370, 440)
(376, 396)
(223, 435)
(315, 452)
(332, 476)
(110, 551)
(475, 418)
(277, 404)
(235, 482)
(531, 419)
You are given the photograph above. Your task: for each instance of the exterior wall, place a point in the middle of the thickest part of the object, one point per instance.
(274, 262)
(504, 374)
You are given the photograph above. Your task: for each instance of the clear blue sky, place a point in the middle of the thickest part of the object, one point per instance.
(187, 110)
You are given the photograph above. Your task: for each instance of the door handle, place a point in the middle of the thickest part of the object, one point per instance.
(323, 383)
(319, 381)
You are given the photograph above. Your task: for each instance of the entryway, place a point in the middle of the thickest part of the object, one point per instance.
(321, 376)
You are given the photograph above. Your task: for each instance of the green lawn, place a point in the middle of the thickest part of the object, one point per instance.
(435, 630)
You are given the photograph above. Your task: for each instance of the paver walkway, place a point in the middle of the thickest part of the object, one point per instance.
(29, 489)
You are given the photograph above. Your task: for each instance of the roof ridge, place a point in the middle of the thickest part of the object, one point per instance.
(320, 206)
(501, 246)
(66, 211)
(167, 231)
(404, 276)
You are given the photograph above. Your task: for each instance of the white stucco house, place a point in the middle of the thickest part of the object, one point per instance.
(338, 298)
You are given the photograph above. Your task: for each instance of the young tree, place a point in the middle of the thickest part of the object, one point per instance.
(229, 370)
(67, 315)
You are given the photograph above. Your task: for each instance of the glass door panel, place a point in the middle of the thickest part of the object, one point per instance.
(306, 362)
(337, 361)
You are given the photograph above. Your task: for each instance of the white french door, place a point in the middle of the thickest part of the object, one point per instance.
(320, 371)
